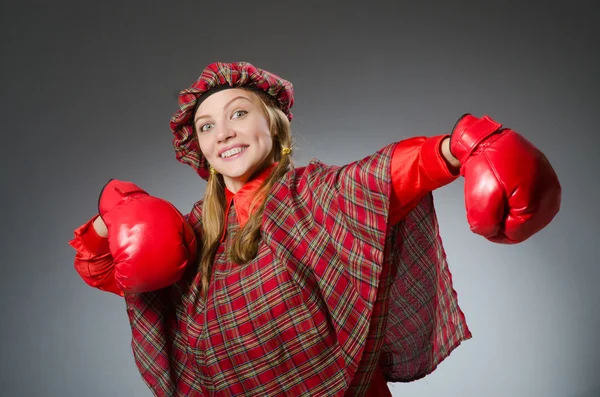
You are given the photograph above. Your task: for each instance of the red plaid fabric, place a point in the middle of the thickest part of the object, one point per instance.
(333, 292)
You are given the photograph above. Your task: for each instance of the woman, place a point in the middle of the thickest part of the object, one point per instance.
(311, 281)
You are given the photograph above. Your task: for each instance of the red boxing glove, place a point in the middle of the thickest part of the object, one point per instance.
(150, 240)
(511, 190)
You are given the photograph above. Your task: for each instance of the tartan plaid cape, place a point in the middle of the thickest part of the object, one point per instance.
(333, 293)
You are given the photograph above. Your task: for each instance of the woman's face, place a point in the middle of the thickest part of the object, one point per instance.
(234, 136)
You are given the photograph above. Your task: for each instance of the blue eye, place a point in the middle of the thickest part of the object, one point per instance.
(238, 114)
(206, 127)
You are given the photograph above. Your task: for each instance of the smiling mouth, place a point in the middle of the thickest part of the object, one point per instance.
(233, 152)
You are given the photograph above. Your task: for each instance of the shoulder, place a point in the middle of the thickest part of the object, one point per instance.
(300, 178)
(302, 187)
(316, 171)
(194, 217)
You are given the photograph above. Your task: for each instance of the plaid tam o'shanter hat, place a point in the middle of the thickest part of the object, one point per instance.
(214, 77)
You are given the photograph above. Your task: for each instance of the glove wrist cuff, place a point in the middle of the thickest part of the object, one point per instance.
(469, 132)
(115, 192)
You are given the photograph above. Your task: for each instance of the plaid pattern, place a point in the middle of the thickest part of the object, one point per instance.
(332, 292)
(237, 74)
(421, 300)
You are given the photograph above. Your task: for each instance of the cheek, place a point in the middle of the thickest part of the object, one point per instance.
(266, 141)
(265, 134)
(205, 147)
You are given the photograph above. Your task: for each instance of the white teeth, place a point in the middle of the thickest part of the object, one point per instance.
(233, 151)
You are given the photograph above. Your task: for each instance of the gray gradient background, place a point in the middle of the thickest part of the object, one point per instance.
(87, 93)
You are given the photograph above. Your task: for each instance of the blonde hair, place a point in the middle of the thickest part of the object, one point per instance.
(245, 243)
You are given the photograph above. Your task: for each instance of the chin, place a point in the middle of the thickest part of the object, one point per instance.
(238, 172)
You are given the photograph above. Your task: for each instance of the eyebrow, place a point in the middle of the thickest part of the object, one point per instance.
(225, 107)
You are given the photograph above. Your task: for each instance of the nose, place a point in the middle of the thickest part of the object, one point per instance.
(225, 133)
